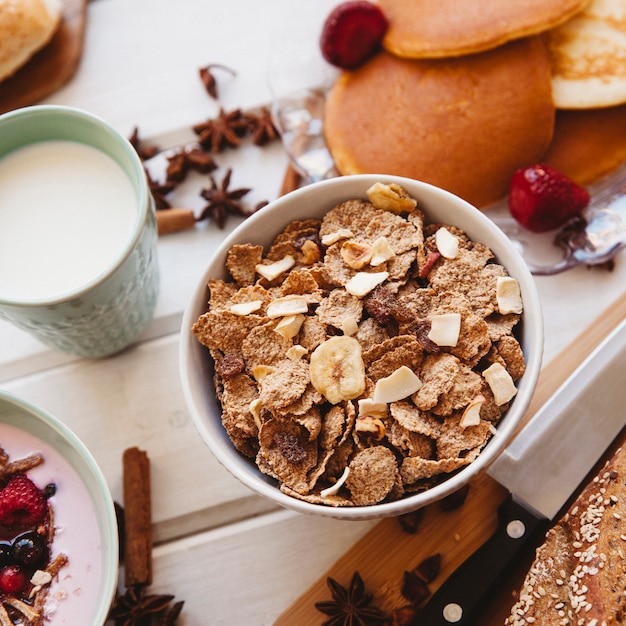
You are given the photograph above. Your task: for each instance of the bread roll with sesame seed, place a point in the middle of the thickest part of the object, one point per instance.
(578, 576)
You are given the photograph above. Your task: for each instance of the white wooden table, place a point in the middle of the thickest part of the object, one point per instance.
(230, 556)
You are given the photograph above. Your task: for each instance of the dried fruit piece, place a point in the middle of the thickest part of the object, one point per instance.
(542, 198)
(445, 329)
(274, 270)
(447, 243)
(245, 308)
(352, 33)
(401, 384)
(364, 282)
(337, 370)
(391, 197)
(500, 382)
(508, 295)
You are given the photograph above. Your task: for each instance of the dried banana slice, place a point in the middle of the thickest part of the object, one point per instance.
(337, 370)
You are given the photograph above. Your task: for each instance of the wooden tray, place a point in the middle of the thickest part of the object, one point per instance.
(51, 67)
(386, 551)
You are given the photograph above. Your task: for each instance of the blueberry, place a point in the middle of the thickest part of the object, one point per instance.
(29, 549)
(6, 557)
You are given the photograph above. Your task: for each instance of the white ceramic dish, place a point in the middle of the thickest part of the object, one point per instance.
(85, 521)
(313, 202)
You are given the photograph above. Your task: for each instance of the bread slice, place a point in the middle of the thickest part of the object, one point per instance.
(578, 576)
(26, 26)
(588, 57)
(428, 29)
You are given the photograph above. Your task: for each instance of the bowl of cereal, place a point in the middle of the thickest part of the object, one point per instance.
(58, 529)
(361, 347)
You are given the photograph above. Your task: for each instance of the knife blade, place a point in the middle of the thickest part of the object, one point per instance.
(541, 469)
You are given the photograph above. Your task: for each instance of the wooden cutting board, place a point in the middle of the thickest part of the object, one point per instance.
(51, 67)
(386, 551)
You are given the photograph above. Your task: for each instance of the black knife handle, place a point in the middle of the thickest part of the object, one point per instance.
(457, 601)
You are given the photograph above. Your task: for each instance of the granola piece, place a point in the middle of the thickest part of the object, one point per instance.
(312, 421)
(511, 353)
(237, 419)
(337, 307)
(372, 475)
(410, 442)
(409, 353)
(415, 469)
(284, 384)
(220, 294)
(466, 385)
(287, 449)
(370, 333)
(288, 242)
(437, 375)
(302, 282)
(473, 343)
(221, 331)
(263, 346)
(312, 333)
(303, 404)
(241, 260)
(414, 420)
(501, 325)
(315, 498)
(456, 442)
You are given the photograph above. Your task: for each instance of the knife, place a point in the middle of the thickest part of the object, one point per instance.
(542, 468)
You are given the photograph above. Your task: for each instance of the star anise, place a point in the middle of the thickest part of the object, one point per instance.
(185, 160)
(135, 608)
(223, 131)
(159, 192)
(261, 127)
(222, 201)
(208, 80)
(350, 607)
(144, 152)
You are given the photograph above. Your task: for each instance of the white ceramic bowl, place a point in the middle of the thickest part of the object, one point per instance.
(313, 202)
(85, 522)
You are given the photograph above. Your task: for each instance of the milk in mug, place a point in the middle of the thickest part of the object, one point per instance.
(67, 214)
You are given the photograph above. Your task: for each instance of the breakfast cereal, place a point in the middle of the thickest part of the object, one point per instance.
(365, 355)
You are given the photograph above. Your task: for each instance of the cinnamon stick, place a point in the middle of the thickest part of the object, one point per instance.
(174, 220)
(291, 180)
(137, 518)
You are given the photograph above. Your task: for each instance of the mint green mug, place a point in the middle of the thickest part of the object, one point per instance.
(78, 232)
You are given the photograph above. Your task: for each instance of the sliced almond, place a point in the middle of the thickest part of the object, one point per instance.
(245, 308)
(255, 410)
(356, 254)
(338, 235)
(367, 406)
(349, 326)
(391, 197)
(398, 385)
(500, 383)
(508, 295)
(471, 414)
(259, 372)
(287, 306)
(274, 270)
(445, 329)
(447, 243)
(381, 252)
(295, 353)
(289, 326)
(334, 489)
(363, 282)
(337, 370)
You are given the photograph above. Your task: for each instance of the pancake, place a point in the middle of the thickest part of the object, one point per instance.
(588, 57)
(588, 144)
(464, 124)
(26, 26)
(427, 29)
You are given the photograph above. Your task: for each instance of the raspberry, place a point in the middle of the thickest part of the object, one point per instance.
(352, 33)
(22, 503)
(12, 580)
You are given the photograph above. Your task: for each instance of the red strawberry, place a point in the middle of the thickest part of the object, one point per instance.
(22, 503)
(352, 33)
(542, 198)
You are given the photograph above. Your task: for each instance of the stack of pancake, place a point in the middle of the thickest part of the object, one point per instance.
(465, 93)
